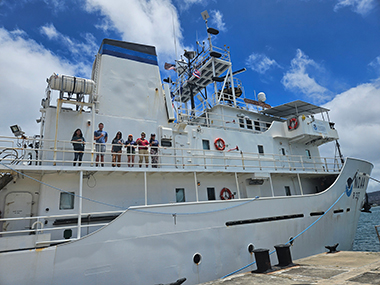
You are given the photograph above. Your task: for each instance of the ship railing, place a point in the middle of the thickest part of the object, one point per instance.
(35, 226)
(230, 159)
(203, 117)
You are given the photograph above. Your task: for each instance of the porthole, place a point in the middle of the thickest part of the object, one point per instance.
(197, 258)
(251, 247)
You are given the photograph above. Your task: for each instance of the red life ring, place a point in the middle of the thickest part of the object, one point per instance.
(219, 144)
(226, 194)
(292, 123)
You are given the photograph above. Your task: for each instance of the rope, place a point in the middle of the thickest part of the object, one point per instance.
(291, 240)
(378, 181)
(56, 188)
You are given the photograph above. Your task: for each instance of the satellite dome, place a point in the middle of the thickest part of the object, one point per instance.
(261, 97)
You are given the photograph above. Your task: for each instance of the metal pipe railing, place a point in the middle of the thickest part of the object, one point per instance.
(170, 157)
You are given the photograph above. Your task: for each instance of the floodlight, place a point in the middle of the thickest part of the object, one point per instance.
(189, 54)
(16, 130)
(205, 15)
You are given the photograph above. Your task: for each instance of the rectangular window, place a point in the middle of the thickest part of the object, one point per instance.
(308, 154)
(206, 144)
(283, 151)
(180, 195)
(66, 201)
(257, 126)
(241, 123)
(249, 124)
(260, 148)
(211, 193)
(287, 191)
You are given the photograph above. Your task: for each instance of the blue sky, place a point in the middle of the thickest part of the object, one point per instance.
(325, 52)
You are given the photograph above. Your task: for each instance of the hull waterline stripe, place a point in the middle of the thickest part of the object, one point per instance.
(291, 240)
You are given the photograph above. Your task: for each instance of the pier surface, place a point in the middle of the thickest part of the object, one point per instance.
(343, 267)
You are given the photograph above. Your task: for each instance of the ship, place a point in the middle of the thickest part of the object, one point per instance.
(230, 175)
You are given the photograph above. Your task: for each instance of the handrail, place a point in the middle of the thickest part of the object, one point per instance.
(171, 157)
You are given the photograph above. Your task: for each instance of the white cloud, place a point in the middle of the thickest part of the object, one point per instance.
(151, 22)
(356, 114)
(261, 63)
(217, 19)
(50, 31)
(362, 7)
(24, 65)
(298, 79)
(185, 4)
(80, 49)
(375, 64)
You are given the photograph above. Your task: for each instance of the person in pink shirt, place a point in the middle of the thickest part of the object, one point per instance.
(143, 149)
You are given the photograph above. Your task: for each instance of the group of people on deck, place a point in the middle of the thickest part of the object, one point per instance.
(101, 137)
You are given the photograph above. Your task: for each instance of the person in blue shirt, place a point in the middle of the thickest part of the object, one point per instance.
(100, 138)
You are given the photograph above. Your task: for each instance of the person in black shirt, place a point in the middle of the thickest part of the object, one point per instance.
(78, 145)
(117, 144)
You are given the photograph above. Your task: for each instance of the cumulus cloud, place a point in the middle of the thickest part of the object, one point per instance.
(356, 114)
(217, 19)
(261, 63)
(158, 22)
(298, 79)
(362, 7)
(22, 81)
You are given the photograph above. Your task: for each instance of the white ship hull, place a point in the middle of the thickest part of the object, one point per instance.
(156, 244)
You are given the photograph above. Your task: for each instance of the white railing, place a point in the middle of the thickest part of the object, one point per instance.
(168, 157)
(206, 118)
(37, 228)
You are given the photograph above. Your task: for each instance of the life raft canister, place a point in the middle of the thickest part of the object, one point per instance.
(226, 194)
(219, 144)
(292, 124)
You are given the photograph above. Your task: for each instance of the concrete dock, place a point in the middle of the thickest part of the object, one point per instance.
(343, 267)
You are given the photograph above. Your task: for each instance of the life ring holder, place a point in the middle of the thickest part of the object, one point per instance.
(226, 194)
(219, 144)
(292, 123)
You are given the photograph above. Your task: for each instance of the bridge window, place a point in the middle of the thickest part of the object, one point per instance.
(308, 154)
(260, 148)
(241, 123)
(249, 123)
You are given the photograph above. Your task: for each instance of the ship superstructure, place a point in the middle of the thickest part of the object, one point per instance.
(233, 174)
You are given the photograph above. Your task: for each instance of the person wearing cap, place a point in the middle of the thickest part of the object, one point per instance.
(130, 144)
(143, 149)
(154, 150)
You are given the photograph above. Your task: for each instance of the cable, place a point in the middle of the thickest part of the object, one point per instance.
(292, 239)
